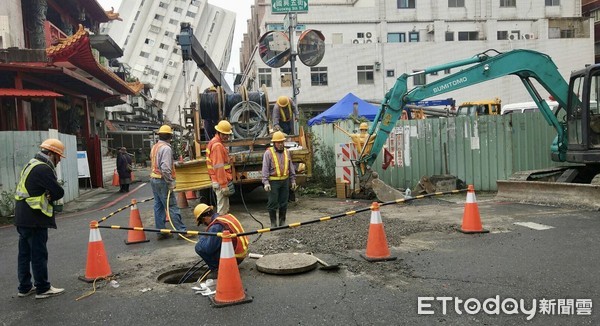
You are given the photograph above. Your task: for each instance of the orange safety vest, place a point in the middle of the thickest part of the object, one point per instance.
(282, 114)
(156, 172)
(279, 174)
(230, 223)
(213, 146)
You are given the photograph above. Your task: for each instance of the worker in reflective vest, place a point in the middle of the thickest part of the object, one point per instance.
(278, 175)
(219, 167)
(285, 112)
(209, 247)
(162, 180)
(36, 192)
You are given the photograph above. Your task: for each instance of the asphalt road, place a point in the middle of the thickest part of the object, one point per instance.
(557, 267)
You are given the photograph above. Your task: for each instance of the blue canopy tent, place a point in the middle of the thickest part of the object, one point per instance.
(344, 108)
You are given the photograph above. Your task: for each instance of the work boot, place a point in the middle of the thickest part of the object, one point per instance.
(273, 217)
(282, 216)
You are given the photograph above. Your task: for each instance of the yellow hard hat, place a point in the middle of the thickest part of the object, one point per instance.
(283, 101)
(165, 129)
(199, 210)
(278, 136)
(54, 145)
(364, 126)
(224, 127)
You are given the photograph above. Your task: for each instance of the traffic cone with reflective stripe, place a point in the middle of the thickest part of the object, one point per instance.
(135, 221)
(471, 222)
(190, 195)
(377, 247)
(181, 200)
(97, 266)
(229, 283)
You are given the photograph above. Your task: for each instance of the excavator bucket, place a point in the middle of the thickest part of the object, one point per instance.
(550, 193)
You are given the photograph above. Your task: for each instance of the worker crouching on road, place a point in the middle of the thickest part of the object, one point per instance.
(209, 247)
(162, 180)
(219, 167)
(278, 175)
(285, 112)
(36, 191)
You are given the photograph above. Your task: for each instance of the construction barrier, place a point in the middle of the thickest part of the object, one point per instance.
(229, 283)
(135, 222)
(97, 263)
(471, 220)
(377, 246)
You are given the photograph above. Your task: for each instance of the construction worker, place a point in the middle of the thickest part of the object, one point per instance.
(36, 192)
(162, 180)
(285, 112)
(278, 175)
(219, 168)
(209, 247)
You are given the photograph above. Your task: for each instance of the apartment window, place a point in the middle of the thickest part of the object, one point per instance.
(195, 76)
(159, 17)
(508, 3)
(169, 34)
(364, 75)
(390, 73)
(468, 36)
(456, 3)
(396, 37)
(413, 36)
(404, 4)
(149, 41)
(163, 89)
(567, 33)
(502, 35)
(163, 46)
(126, 40)
(159, 59)
(449, 36)
(447, 71)
(173, 63)
(176, 50)
(167, 77)
(137, 15)
(286, 80)
(190, 14)
(154, 29)
(318, 76)
(163, 5)
(144, 54)
(154, 72)
(264, 77)
(178, 10)
(132, 27)
(596, 15)
(173, 22)
(552, 2)
(419, 79)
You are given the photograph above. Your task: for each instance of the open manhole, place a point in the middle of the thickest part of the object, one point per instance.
(182, 275)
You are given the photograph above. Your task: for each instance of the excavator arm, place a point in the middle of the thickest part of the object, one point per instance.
(525, 64)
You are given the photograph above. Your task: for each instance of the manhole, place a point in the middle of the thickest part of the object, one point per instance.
(182, 275)
(286, 263)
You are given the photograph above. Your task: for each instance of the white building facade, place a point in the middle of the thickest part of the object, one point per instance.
(147, 35)
(370, 43)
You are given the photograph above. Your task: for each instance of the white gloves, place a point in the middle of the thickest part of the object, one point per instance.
(225, 192)
(216, 186)
(267, 187)
(294, 186)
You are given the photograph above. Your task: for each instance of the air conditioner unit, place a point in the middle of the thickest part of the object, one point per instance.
(356, 41)
(430, 28)
(368, 34)
(528, 36)
(513, 37)
(368, 40)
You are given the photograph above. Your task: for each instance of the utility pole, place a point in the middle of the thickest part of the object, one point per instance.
(292, 16)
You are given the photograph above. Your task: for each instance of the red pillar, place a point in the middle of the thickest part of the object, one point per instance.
(54, 111)
(21, 121)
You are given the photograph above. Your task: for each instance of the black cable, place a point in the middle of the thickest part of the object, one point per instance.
(186, 275)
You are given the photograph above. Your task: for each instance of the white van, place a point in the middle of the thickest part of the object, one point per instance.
(525, 107)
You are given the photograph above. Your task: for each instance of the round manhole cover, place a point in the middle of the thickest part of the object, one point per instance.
(286, 263)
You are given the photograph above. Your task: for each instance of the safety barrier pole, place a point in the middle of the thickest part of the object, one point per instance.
(122, 209)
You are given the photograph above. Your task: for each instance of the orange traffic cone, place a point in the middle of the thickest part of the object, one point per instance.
(135, 221)
(115, 180)
(97, 266)
(181, 200)
(190, 195)
(229, 283)
(377, 247)
(471, 221)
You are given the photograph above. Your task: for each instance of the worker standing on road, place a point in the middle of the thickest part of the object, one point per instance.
(285, 112)
(219, 167)
(360, 140)
(36, 192)
(124, 169)
(162, 180)
(209, 247)
(278, 175)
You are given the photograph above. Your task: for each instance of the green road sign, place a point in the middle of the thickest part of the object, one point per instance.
(285, 6)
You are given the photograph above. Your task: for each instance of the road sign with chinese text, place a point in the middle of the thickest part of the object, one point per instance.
(285, 6)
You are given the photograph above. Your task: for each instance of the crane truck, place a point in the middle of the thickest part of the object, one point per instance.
(578, 130)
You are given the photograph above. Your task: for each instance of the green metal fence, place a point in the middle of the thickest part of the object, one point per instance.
(478, 151)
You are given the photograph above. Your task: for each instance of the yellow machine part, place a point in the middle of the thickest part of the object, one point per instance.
(192, 175)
